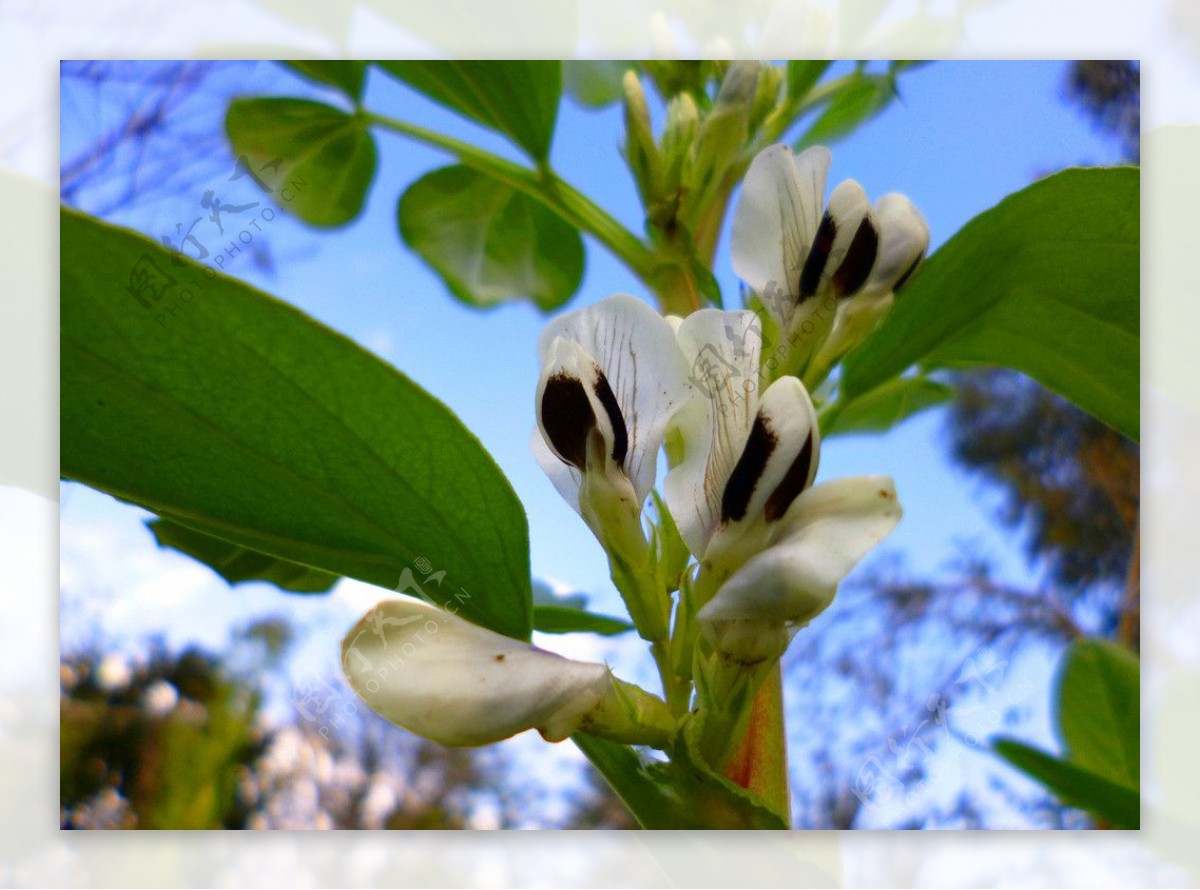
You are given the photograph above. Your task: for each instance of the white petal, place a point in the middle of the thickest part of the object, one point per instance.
(459, 684)
(635, 349)
(826, 532)
(566, 478)
(903, 239)
(722, 349)
(774, 223)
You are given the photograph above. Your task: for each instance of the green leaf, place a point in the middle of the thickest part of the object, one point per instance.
(347, 76)
(1075, 785)
(803, 75)
(489, 242)
(1045, 282)
(225, 410)
(556, 613)
(886, 406)
(517, 98)
(675, 794)
(848, 108)
(239, 564)
(315, 160)
(898, 65)
(1099, 710)
(568, 620)
(595, 84)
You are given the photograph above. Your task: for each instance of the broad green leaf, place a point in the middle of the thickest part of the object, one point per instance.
(347, 75)
(595, 84)
(556, 613)
(517, 98)
(803, 75)
(238, 564)
(1099, 710)
(225, 410)
(489, 242)
(1075, 785)
(849, 107)
(885, 406)
(568, 620)
(675, 794)
(1045, 282)
(313, 159)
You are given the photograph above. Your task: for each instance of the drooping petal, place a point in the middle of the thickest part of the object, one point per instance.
(634, 349)
(776, 221)
(824, 534)
(459, 684)
(722, 349)
(903, 241)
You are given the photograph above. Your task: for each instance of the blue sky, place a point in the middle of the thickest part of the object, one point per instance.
(962, 137)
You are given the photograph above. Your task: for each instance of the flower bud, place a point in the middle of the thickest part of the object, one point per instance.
(678, 139)
(723, 134)
(641, 152)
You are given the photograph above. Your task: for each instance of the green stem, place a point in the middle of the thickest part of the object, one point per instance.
(542, 185)
(676, 689)
(759, 763)
(792, 110)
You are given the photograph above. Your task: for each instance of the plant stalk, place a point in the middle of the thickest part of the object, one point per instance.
(759, 762)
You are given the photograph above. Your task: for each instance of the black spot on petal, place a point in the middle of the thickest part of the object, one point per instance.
(793, 482)
(568, 418)
(749, 469)
(852, 274)
(609, 402)
(818, 256)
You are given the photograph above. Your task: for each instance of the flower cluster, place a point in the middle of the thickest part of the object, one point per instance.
(766, 547)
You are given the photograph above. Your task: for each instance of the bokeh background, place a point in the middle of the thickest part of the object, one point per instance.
(1160, 858)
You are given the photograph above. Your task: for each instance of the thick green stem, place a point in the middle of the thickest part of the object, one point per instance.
(542, 185)
(676, 689)
(759, 763)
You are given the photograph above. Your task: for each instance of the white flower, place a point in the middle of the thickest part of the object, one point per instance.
(821, 274)
(772, 545)
(612, 377)
(459, 684)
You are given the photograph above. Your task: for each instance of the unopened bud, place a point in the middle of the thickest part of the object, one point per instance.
(640, 150)
(770, 82)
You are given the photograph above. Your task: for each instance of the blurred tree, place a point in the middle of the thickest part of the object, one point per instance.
(1069, 481)
(153, 746)
(1111, 92)
(180, 742)
(903, 669)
